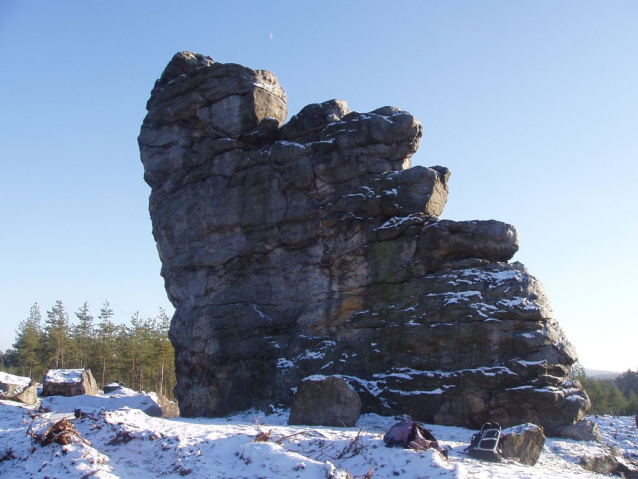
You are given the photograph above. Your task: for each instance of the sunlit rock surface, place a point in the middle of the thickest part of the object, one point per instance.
(312, 247)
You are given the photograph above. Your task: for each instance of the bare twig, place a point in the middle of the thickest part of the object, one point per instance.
(353, 448)
(263, 436)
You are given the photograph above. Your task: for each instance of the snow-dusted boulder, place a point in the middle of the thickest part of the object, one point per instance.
(113, 387)
(121, 391)
(583, 430)
(17, 388)
(95, 404)
(149, 403)
(69, 382)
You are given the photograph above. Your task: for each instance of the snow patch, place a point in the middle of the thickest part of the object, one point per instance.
(12, 379)
(64, 376)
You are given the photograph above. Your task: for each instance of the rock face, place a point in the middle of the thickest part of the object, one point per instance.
(313, 247)
(325, 401)
(68, 382)
(523, 443)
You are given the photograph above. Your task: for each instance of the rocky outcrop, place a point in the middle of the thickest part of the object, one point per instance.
(325, 401)
(313, 247)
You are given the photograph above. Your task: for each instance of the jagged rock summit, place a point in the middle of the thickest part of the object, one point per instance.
(312, 247)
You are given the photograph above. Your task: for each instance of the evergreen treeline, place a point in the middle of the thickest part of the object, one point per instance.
(139, 355)
(611, 396)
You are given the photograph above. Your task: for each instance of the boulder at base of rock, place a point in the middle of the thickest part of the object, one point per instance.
(17, 388)
(69, 382)
(325, 401)
(523, 443)
(583, 430)
(169, 408)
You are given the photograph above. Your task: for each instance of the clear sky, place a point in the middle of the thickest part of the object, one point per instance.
(533, 105)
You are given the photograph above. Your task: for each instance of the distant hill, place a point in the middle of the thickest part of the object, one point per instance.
(601, 374)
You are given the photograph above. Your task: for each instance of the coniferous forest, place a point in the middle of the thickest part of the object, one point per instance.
(138, 354)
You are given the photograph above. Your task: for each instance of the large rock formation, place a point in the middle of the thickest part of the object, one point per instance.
(313, 247)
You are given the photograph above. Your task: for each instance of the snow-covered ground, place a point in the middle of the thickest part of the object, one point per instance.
(128, 443)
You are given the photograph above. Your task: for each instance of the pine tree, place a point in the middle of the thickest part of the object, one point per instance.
(577, 371)
(57, 330)
(615, 400)
(627, 382)
(632, 408)
(597, 395)
(166, 354)
(106, 335)
(84, 335)
(28, 341)
(133, 346)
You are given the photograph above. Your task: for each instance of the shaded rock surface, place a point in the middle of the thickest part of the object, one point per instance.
(523, 443)
(325, 401)
(312, 247)
(69, 382)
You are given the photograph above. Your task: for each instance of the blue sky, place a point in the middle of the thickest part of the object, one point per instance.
(533, 105)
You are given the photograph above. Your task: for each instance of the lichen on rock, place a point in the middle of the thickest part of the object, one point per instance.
(313, 247)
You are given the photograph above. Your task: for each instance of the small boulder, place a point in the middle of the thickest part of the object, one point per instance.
(109, 388)
(69, 382)
(583, 430)
(325, 401)
(18, 388)
(605, 464)
(523, 444)
(169, 408)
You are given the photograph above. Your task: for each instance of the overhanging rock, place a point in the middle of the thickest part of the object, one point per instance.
(313, 247)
